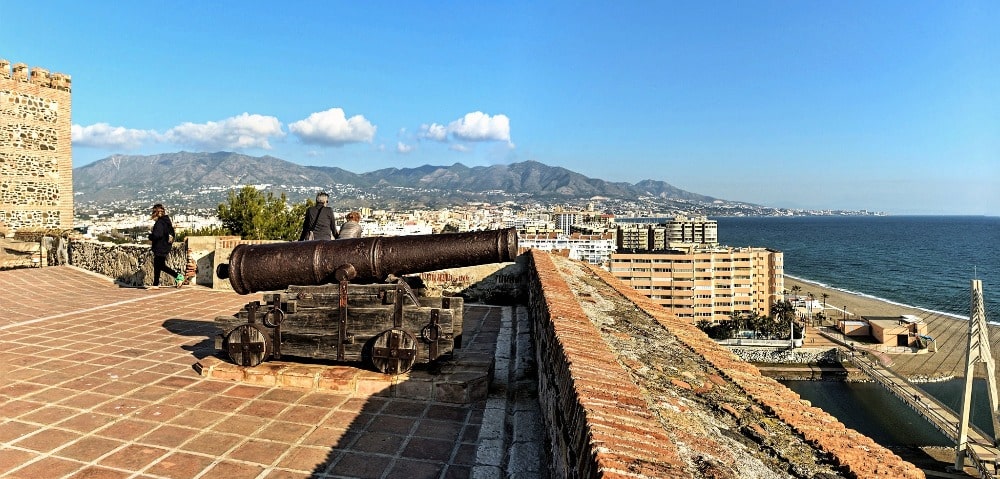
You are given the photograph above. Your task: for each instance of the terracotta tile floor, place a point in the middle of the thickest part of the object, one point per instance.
(97, 381)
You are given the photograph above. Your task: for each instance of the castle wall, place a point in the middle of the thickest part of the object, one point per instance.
(36, 157)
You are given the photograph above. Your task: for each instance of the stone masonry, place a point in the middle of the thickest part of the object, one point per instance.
(36, 157)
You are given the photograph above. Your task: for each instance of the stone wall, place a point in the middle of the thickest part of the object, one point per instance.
(127, 264)
(857, 455)
(788, 356)
(595, 417)
(598, 421)
(36, 160)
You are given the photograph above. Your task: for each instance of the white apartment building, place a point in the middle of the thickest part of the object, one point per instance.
(594, 249)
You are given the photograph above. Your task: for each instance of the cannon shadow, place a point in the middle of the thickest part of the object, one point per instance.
(390, 434)
(207, 331)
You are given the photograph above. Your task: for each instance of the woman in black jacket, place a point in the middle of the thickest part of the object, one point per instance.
(162, 237)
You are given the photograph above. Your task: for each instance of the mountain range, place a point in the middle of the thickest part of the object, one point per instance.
(121, 178)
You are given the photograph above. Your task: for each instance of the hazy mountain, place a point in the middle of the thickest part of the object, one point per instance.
(124, 177)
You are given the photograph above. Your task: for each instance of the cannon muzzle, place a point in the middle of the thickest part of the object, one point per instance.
(275, 266)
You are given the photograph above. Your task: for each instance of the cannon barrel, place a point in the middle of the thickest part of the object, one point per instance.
(275, 266)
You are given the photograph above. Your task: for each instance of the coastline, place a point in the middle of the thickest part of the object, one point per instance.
(950, 332)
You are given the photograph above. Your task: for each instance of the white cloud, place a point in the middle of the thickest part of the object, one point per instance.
(478, 126)
(459, 147)
(103, 135)
(434, 132)
(333, 128)
(403, 147)
(239, 132)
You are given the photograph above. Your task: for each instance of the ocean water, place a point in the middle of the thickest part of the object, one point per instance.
(921, 261)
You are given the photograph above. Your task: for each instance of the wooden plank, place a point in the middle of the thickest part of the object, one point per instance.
(311, 331)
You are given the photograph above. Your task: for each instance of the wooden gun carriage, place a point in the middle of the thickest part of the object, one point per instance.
(386, 325)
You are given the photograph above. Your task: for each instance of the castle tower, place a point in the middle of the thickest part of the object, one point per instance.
(36, 157)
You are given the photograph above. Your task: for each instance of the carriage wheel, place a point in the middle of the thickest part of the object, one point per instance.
(393, 351)
(247, 345)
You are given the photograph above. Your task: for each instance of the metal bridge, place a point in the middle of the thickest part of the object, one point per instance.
(971, 443)
(980, 449)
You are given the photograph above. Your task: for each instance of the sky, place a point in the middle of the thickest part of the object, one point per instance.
(890, 106)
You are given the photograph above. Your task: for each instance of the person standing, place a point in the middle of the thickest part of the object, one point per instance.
(319, 223)
(162, 239)
(352, 227)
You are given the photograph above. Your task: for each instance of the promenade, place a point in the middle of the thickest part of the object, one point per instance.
(99, 381)
(950, 333)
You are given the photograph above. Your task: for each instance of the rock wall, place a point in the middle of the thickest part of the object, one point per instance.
(787, 356)
(128, 264)
(36, 160)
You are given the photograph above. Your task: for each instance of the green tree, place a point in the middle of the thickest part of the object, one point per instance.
(795, 291)
(204, 231)
(782, 313)
(254, 215)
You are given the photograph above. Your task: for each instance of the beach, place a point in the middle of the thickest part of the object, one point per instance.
(949, 332)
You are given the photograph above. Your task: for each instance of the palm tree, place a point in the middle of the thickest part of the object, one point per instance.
(783, 313)
(824, 303)
(795, 291)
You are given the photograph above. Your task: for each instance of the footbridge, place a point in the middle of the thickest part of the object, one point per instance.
(981, 451)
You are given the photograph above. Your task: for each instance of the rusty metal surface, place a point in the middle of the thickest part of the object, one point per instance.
(275, 266)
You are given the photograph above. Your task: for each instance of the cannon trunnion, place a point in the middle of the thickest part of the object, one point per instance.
(385, 326)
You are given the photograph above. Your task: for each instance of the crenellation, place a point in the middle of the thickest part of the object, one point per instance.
(62, 81)
(36, 163)
(36, 76)
(39, 76)
(21, 72)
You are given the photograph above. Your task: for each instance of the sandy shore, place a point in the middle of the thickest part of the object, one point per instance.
(950, 333)
(855, 305)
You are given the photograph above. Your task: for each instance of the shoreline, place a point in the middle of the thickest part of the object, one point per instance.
(858, 303)
(949, 331)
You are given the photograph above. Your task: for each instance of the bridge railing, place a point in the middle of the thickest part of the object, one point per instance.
(931, 409)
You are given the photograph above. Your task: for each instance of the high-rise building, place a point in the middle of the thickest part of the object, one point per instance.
(698, 230)
(705, 283)
(36, 158)
(676, 232)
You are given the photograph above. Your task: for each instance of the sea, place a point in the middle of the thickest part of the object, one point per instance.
(925, 262)
(921, 261)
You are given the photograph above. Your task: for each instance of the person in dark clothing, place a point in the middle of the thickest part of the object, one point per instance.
(319, 223)
(162, 237)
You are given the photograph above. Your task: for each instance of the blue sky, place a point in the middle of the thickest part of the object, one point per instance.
(886, 106)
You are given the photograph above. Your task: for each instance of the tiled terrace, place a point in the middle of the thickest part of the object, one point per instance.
(101, 381)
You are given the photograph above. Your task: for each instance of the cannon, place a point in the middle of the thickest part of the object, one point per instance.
(350, 299)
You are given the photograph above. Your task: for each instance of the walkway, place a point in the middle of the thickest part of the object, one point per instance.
(982, 453)
(98, 381)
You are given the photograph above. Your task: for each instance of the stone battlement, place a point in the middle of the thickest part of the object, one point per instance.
(36, 76)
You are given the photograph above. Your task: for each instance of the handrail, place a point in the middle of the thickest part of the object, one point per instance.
(907, 393)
